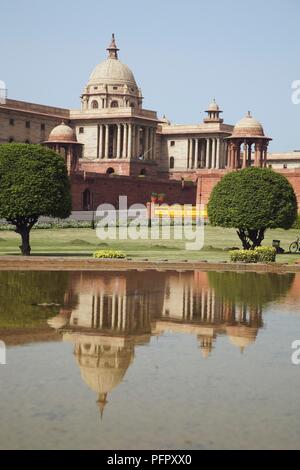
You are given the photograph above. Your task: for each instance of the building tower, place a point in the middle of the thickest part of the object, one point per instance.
(117, 133)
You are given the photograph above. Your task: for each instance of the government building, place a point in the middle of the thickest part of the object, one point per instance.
(113, 146)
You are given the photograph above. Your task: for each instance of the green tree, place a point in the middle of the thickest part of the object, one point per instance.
(253, 200)
(33, 183)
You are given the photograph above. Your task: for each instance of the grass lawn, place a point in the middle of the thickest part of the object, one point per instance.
(83, 242)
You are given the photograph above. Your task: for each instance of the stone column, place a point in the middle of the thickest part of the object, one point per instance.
(218, 155)
(213, 158)
(106, 141)
(207, 164)
(192, 154)
(231, 157)
(265, 154)
(261, 154)
(153, 144)
(245, 155)
(196, 153)
(125, 141)
(256, 158)
(146, 142)
(119, 141)
(130, 141)
(137, 142)
(101, 141)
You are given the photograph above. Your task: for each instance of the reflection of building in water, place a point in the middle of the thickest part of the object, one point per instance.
(192, 306)
(112, 316)
(116, 312)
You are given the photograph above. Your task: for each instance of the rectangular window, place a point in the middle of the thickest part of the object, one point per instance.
(115, 87)
(43, 127)
(11, 122)
(172, 143)
(27, 124)
(81, 130)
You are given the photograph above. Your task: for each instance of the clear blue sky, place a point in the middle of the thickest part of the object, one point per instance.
(183, 54)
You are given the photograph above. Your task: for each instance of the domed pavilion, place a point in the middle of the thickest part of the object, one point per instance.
(247, 132)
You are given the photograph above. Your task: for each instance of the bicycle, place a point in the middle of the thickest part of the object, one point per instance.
(295, 246)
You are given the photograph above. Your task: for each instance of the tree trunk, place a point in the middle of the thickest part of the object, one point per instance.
(25, 247)
(251, 238)
(242, 234)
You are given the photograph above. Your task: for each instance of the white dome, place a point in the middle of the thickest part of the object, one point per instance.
(112, 72)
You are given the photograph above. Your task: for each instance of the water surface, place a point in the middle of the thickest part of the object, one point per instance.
(139, 360)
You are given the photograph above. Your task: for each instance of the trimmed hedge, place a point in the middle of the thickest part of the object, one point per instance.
(266, 254)
(109, 254)
(261, 254)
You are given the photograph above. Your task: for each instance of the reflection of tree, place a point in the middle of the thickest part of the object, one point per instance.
(21, 292)
(254, 290)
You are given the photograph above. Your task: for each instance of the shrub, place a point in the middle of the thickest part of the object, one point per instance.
(109, 254)
(266, 254)
(244, 256)
(261, 254)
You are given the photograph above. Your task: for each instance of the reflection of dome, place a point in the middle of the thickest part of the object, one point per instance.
(62, 133)
(241, 336)
(248, 126)
(103, 362)
(103, 372)
(60, 320)
(206, 345)
(57, 322)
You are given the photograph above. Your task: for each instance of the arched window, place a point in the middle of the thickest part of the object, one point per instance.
(95, 104)
(86, 200)
(172, 162)
(143, 172)
(110, 171)
(114, 104)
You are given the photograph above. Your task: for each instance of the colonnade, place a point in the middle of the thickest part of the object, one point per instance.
(204, 306)
(116, 312)
(243, 159)
(206, 153)
(126, 141)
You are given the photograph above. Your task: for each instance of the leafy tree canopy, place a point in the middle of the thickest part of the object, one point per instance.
(253, 200)
(33, 183)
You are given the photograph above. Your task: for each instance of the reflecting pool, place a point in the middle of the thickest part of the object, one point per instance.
(149, 360)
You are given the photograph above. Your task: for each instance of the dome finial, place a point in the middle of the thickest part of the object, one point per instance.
(113, 49)
(102, 402)
(249, 114)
